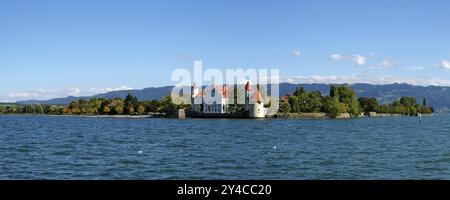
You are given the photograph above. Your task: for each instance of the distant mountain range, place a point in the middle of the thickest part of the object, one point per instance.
(437, 96)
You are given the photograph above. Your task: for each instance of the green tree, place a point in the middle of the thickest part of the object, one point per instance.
(299, 91)
(332, 106)
(167, 103)
(130, 103)
(345, 94)
(294, 102)
(48, 109)
(313, 102)
(368, 104)
(354, 108)
(408, 101)
(334, 92)
(286, 107)
(39, 109)
(28, 109)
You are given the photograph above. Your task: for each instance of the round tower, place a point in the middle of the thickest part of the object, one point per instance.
(257, 110)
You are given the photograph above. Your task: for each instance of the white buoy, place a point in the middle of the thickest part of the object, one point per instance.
(140, 152)
(275, 147)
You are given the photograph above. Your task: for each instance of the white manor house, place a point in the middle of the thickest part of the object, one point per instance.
(220, 100)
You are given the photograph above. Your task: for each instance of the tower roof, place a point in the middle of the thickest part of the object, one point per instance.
(248, 87)
(257, 96)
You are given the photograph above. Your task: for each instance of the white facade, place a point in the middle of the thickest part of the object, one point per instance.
(257, 110)
(217, 104)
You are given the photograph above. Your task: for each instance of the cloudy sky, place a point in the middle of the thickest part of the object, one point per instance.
(58, 48)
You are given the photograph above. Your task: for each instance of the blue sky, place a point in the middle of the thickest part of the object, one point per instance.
(57, 48)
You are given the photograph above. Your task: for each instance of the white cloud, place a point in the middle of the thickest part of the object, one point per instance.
(45, 94)
(387, 64)
(445, 64)
(350, 79)
(73, 91)
(296, 53)
(20, 95)
(105, 90)
(38, 94)
(357, 59)
(337, 57)
(414, 68)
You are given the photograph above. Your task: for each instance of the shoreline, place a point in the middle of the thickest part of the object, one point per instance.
(305, 116)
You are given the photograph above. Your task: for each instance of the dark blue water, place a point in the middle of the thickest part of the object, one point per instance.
(45, 147)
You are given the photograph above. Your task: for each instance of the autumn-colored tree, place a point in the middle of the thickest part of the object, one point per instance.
(141, 109)
(118, 109)
(106, 110)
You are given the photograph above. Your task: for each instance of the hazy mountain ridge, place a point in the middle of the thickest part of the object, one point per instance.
(437, 96)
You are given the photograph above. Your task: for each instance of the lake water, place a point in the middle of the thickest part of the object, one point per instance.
(46, 147)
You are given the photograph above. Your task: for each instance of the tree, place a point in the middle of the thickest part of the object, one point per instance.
(155, 106)
(106, 110)
(299, 91)
(48, 109)
(167, 103)
(28, 109)
(354, 108)
(334, 92)
(118, 109)
(313, 102)
(424, 103)
(286, 107)
(39, 109)
(105, 106)
(130, 110)
(66, 110)
(332, 106)
(95, 105)
(293, 101)
(75, 110)
(408, 101)
(130, 103)
(117, 102)
(368, 104)
(345, 94)
(141, 109)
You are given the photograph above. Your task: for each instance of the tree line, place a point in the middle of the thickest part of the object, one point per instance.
(342, 99)
(405, 106)
(94, 106)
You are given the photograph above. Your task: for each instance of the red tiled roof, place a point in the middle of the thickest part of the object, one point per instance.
(248, 87)
(224, 90)
(258, 97)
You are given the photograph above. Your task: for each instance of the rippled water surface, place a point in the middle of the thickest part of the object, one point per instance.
(46, 147)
